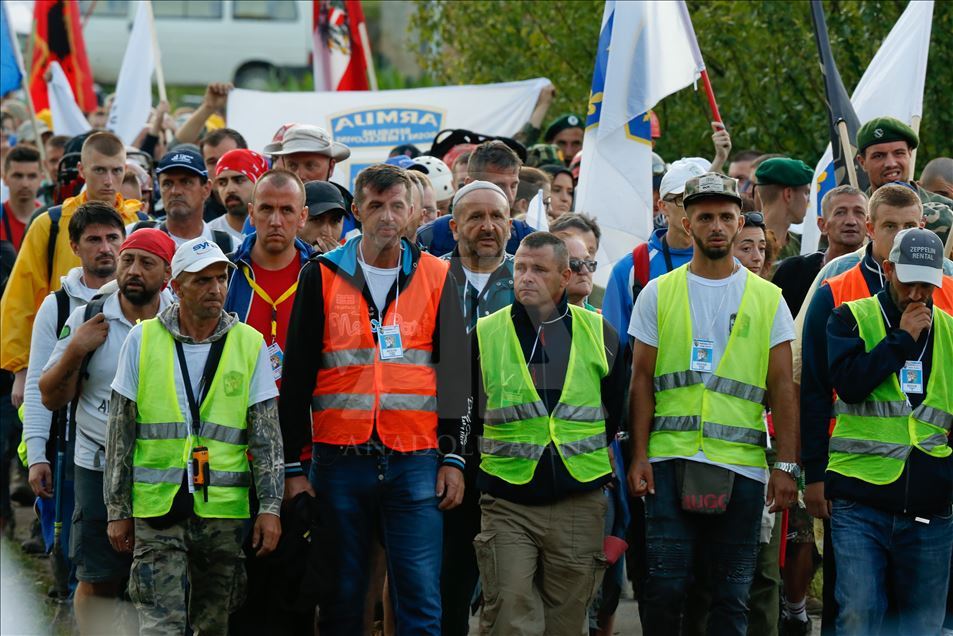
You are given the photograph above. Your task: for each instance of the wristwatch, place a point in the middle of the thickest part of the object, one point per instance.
(790, 468)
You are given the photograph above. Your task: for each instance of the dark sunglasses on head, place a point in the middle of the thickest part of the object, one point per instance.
(576, 265)
(754, 218)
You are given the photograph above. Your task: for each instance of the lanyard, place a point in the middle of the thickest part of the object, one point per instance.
(890, 326)
(274, 303)
(714, 316)
(211, 365)
(668, 256)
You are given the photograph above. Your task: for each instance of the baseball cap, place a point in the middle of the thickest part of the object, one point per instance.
(403, 161)
(918, 256)
(308, 138)
(711, 185)
(197, 254)
(183, 158)
(321, 197)
(673, 181)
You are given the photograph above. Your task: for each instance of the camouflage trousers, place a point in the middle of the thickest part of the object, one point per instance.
(203, 556)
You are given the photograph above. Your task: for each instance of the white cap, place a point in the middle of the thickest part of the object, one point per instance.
(473, 186)
(440, 176)
(196, 255)
(673, 182)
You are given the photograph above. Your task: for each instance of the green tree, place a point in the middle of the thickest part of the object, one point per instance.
(761, 58)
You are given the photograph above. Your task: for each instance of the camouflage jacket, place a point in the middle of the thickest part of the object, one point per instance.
(264, 437)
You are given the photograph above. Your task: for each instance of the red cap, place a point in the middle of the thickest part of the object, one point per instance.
(150, 240)
(247, 162)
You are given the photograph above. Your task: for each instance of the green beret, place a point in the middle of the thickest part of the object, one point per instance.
(561, 124)
(783, 172)
(881, 130)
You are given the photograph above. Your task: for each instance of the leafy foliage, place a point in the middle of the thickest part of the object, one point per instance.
(760, 54)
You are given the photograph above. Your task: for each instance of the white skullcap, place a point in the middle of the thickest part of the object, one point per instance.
(473, 186)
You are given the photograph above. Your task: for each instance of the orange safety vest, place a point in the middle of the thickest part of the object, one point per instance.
(355, 389)
(851, 285)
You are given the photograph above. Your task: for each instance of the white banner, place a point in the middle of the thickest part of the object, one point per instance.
(370, 123)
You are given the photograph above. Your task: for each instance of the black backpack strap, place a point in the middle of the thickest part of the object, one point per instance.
(93, 308)
(58, 424)
(224, 240)
(144, 224)
(62, 310)
(55, 213)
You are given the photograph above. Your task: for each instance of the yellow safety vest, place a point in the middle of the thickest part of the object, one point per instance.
(723, 415)
(163, 440)
(872, 439)
(517, 426)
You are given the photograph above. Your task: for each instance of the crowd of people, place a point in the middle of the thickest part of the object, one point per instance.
(250, 400)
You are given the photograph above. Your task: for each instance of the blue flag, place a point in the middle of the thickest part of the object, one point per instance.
(11, 73)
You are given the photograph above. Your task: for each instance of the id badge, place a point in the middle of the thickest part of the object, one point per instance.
(388, 337)
(190, 482)
(277, 357)
(911, 377)
(703, 352)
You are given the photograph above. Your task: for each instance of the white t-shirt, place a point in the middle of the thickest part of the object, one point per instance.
(262, 386)
(93, 407)
(221, 224)
(713, 306)
(206, 234)
(477, 280)
(379, 281)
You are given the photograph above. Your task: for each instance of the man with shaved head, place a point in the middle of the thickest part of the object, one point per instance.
(937, 176)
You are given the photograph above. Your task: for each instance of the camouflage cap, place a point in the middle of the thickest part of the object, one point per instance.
(543, 155)
(709, 186)
(784, 172)
(881, 130)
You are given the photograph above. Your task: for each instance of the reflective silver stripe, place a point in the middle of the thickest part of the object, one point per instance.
(677, 423)
(677, 380)
(221, 433)
(872, 409)
(934, 441)
(412, 356)
(227, 478)
(737, 434)
(511, 449)
(408, 402)
(350, 401)
(579, 413)
(583, 446)
(347, 358)
(869, 447)
(516, 413)
(161, 430)
(734, 388)
(157, 475)
(934, 416)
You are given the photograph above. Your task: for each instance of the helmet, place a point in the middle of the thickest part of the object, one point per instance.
(440, 176)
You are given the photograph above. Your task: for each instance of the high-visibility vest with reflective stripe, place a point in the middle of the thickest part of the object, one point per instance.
(851, 285)
(355, 388)
(162, 435)
(723, 415)
(517, 428)
(872, 439)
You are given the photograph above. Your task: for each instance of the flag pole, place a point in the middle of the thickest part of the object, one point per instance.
(157, 54)
(706, 83)
(844, 137)
(915, 124)
(368, 58)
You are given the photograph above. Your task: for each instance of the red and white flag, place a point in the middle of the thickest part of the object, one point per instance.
(342, 53)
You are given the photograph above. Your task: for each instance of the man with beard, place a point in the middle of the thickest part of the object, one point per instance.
(712, 340)
(184, 184)
(482, 273)
(236, 173)
(93, 337)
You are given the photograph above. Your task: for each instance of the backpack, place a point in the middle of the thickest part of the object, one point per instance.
(59, 420)
(93, 307)
(221, 238)
(640, 269)
(56, 213)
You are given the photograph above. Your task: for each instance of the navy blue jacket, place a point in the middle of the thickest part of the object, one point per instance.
(926, 485)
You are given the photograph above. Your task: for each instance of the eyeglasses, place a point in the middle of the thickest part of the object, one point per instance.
(754, 218)
(677, 199)
(576, 265)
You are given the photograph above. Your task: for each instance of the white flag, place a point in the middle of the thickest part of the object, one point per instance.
(133, 102)
(536, 213)
(68, 119)
(646, 51)
(891, 86)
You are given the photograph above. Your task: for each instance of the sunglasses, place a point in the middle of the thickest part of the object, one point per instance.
(576, 265)
(754, 218)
